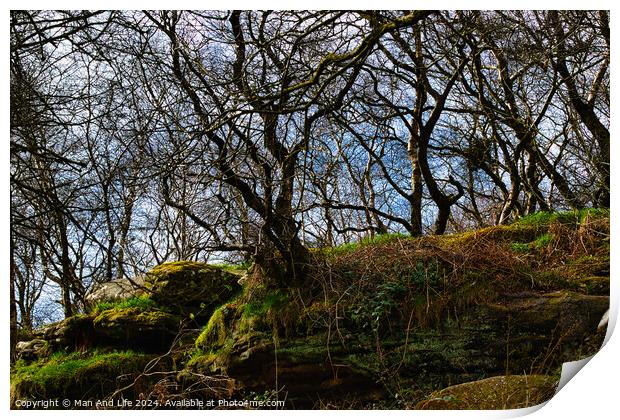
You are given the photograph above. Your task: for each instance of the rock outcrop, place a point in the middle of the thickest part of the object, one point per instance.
(133, 328)
(532, 333)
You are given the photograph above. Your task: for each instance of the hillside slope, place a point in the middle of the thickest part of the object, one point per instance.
(386, 323)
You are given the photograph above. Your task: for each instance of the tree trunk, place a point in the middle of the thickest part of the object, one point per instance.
(13, 305)
(416, 187)
(441, 222)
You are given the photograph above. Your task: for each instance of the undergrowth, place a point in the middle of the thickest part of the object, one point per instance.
(385, 284)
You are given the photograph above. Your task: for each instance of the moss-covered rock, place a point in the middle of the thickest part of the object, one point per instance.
(187, 286)
(119, 327)
(136, 329)
(550, 325)
(142, 303)
(532, 332)
(300, 367)
(213, 335)
(496, 393)
(32, 349)
(73, 333)
(77, 376)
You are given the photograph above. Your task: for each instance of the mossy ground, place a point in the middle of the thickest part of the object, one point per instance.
(75, 375)
(352, 246)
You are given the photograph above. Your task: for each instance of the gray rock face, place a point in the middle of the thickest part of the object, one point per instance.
(117, 289)
(33, 349)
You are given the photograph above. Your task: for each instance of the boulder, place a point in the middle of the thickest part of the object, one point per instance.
(496, 393)
(302, 369)
(132, 328)
(123, 328)
(87, 376)
(528, 332)
(540, 330)
(115, 290)
(31, 350)
(187, 286)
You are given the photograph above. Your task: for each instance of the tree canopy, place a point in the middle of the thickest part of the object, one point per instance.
(139, 137)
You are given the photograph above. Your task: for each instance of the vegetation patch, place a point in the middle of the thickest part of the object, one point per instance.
(74, 375)
(574, 217)
(239, 268)
(142, 303)
(214, 333)
(368, 241)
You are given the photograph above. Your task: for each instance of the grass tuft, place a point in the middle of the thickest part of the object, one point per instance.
(142, 303)
(371, 240)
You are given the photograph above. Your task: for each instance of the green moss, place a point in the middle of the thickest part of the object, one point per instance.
(142, 303)
(512, 233)
(133, 315)
(213, 334)
(520, 248)
(523, 230)
(235, 268)
(213, 361)
(74, 375)
(266, 311)
(542, 241)
(201, 360)
(272, 301)
(371, 240)
(565, 217)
